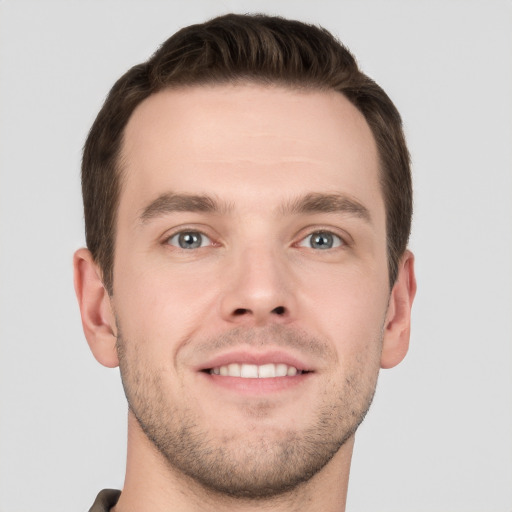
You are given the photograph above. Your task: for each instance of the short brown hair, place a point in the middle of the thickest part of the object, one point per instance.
(240, 48)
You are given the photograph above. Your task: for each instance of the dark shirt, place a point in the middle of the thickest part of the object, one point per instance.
(105, 500)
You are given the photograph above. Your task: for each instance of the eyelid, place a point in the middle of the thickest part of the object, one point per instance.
(346, 239)
(165, 239)
(337, 240)
(205, 240)
(304, 233)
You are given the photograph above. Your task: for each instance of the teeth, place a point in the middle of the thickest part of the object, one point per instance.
(281, 370)
(266, 371)
(249, 371)
(291, 371)
(253, 371)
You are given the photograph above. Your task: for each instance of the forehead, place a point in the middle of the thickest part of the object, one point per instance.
(247, 140)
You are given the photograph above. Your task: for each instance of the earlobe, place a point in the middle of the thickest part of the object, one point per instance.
(98, 318)
(398, 319)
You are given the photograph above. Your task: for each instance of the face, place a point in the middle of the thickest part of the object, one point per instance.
(250, 281)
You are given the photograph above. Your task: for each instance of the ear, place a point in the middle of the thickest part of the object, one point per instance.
(96, 310)
(397, 328)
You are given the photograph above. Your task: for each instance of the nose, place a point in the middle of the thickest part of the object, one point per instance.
(257, 289)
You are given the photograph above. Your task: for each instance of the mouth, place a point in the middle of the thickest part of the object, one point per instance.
(254, 371)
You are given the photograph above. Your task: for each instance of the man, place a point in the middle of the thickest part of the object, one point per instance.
(247, 200)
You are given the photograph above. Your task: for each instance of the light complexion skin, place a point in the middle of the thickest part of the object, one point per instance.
(251, 308)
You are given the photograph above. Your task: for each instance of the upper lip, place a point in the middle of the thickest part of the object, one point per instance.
(257, 358)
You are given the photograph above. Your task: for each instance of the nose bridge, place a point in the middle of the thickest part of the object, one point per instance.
(258, 285)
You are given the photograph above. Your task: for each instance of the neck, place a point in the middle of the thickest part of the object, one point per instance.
(151, 484)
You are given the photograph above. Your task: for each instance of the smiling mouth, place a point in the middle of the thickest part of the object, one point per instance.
(253, 371)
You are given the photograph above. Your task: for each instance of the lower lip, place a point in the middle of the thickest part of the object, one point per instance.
(257, 386)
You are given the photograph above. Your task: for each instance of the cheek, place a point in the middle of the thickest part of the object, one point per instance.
(348, 307)
(157, 300)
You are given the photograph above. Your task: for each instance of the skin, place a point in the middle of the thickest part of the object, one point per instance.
(255, 289)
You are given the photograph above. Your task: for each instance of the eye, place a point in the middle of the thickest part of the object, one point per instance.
(189, 240)
(322, 240)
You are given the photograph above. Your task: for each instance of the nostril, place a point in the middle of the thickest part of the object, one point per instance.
(279, 310)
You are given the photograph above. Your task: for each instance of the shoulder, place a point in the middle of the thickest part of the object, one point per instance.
(105, 500)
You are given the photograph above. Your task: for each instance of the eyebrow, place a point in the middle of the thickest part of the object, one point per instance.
(310, 203)
(171, 202)
(326, 203)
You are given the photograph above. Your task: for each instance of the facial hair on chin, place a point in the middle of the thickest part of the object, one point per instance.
(260, 466)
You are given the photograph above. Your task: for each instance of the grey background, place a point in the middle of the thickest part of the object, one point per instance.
(439, 435)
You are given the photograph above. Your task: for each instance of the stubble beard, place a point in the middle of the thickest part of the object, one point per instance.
(237, 463)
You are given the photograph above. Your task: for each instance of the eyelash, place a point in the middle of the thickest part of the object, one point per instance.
(338, 240)
(190, 232)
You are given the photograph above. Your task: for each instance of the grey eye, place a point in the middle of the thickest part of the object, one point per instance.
(189, 240)
(322, 240)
